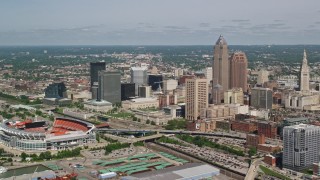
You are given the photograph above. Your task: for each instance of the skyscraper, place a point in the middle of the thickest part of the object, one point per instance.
(155, 81)
(301, 146)
(304, 75)
(196, 97)
(238, 71)
(221, 65)
(56, 90)
(139, 77)
(110, 86)
(208, 73)
(127, 91)
(261, 98)
(95, 67)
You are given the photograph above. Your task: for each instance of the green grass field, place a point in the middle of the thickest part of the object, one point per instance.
(269, 172)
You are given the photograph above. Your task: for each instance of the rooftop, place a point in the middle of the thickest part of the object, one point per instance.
(187, 171)
(142, 99)
(138, 68)
(98, 103)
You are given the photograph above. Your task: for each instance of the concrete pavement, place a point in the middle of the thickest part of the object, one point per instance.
(252, 172)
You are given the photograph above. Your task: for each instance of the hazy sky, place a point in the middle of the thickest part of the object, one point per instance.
(158, 22)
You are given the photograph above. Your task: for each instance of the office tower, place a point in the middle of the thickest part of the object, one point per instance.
(56, 90)
(261, 98)
(263, 76)
(304, 75)
(217, 93)
(94, 93)
(127, 91)
(144, 91)
(110, 86)
(221, 65)
(139, 77)
(238, 71)
(301, 146)
(155, 81)
(170, 85)
(178, 72)
(208, 73)
(196, 97)
(95, 67)
(234, 96)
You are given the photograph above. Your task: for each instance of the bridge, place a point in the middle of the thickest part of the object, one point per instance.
(144, 131)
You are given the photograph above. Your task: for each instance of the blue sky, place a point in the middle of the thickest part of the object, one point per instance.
(158, 22)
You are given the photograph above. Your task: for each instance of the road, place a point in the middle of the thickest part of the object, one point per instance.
(222, 134)
(252, 172)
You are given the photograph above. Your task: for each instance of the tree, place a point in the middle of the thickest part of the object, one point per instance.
(23, 156)
(148, 121)
(252, 151)
(98, 137)
(153, 123)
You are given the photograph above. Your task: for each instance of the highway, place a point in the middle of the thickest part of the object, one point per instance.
(221, 134)
(252, 172)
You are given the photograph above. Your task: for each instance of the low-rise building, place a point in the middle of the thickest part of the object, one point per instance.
(268, 129)
(174, 110)
(140, 103)
(316, 169)
(158, 117)
(300, 101)
(254, 140)
(201, 125)
(94, 105)
(247, 126)
(223, 124)
(270, 160)
(269, 148)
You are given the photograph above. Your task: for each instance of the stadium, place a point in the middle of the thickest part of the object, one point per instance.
(62, 134)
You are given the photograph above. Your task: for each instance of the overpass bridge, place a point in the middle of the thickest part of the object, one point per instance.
(157, 131)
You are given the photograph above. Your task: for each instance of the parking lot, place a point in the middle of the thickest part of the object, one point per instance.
(224, 159)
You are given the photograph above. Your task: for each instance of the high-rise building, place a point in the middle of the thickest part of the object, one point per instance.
(144, 91)
(56, 90)
(109, 86)
(196, 97)
(234, 96)
(139, 77)
(95, 67)
(155, 81)
(170, 85)
(301, 146)
(208, 73)
(238, 71)
(217, 93)
(261, 98)
(263, 76)
(127, 91)
(221, 65)
(304, 75)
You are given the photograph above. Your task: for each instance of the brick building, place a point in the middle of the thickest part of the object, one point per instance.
(270, 160)
(269, 129)
(244, 126)
(254, 140)
(268, 148)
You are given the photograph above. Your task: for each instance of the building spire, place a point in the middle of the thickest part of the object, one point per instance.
(305, 57)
